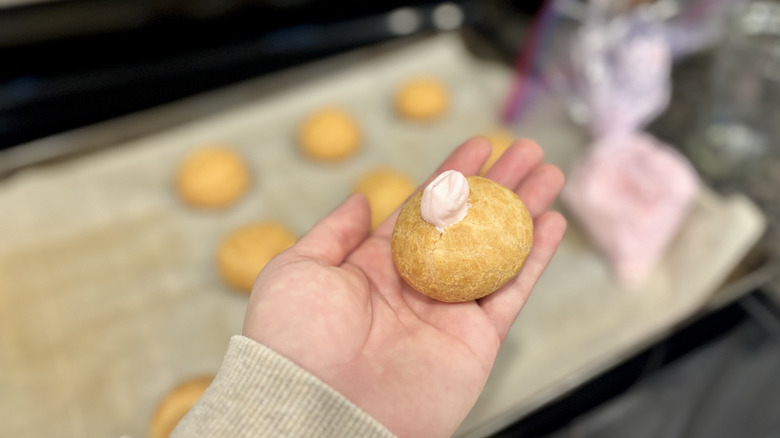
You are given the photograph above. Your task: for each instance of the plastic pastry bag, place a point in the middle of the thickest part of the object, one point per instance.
(629, 191)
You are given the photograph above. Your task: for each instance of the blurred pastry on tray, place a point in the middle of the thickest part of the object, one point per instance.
(175, 405)
(329, 134)
(386, 190)
(244, 252)
(500, 139)
(422, 99)
(213, 176)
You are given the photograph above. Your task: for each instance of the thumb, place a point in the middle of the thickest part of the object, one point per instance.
(335, 236)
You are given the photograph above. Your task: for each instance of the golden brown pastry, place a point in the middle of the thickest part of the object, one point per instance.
(213, 176)
(500, 140)
(244, 253)
(469, 258)
(330, 134)
(175, 405)
(422, 99)
(385, 189)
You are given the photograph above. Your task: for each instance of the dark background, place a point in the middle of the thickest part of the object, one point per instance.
(71, 63)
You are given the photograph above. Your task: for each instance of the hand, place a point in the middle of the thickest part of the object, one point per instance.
(334, 304)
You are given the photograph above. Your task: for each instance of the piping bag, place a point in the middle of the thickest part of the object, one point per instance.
(629, 191)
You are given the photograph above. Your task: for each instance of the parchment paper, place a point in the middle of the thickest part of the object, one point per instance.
(109, 296)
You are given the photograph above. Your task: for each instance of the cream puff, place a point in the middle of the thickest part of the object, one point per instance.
(461, 238)
(175, 405)
(385, 189)
(329, 134)
(422, 99)
(212, 177)
(244, 252)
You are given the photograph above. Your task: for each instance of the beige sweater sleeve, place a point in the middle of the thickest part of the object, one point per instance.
(259, 393)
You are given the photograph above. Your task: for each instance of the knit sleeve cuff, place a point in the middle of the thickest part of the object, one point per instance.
(258, 392)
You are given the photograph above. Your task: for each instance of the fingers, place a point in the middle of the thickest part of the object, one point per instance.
(338, 234)
(540, 188)
(515, 164)
(503, 305)
(467, 159)
(520, 169)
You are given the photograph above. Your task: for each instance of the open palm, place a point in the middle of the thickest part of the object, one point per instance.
(334, 304)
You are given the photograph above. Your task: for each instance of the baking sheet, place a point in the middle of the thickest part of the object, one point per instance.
(109, 296)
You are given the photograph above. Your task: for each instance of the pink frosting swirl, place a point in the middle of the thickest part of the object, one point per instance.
(445, 200)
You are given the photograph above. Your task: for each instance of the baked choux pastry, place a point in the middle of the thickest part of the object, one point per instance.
(330, 134)
(244, 253)
(175, 405)
(386, 190)
(212, 177)
(422, 99)
(500, 140)
(461, 238)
